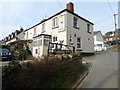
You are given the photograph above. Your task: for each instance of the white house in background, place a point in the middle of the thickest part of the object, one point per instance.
(65, 26)
(98, 41)
(13, 37)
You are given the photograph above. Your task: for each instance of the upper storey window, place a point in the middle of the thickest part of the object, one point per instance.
(35, 30)
(75, 22)
(55, 22)
(88, 28)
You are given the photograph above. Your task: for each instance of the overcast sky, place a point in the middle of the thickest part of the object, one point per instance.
(13, 15)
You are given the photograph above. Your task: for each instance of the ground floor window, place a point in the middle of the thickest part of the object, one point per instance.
(46, 42)
(35, 43)
(40, 42)
(99, 45)
(54, 39)
(78, 42)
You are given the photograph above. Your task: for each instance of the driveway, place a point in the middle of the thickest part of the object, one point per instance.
(104, 72)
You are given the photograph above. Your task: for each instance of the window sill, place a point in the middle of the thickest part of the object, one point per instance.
(79, 49)
(76, 27)
(35, 35)
(89, 32)
(61, 30)
(42, 31)
(71, 43)
(55, 27)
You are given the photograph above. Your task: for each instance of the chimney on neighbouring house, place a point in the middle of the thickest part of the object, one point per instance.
(70, 6)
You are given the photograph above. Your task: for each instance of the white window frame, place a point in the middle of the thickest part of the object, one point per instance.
(71, 38)
(75, 22)
(61, 21)
(88, 28)
(27, 34)
(35, 44)
(46, 42)
(56, 39)
(35, 30)
(55, 22)
(39, 42)
(12, 36)
(79, 43)
(43, 27)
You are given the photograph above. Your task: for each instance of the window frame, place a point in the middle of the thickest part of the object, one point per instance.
(79, 43)
(39, 42)
(55, 39)
(75, 22)
(43, 27)
(35, 44)
(71, 39)
(55, 22)
(36, 51)
(61, 21)
(35, 31)
(27, 34)
(88, 28)
(46, 44)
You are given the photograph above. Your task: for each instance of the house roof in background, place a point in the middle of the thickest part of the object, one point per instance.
(96, 32)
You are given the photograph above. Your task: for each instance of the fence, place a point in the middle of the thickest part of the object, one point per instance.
(56, 48)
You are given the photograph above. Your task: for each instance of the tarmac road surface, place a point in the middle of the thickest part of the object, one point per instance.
(104, 73)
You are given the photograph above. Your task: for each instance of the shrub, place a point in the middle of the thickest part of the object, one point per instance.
(75, 54)
(10, 73)
(48, 72)
(69, 71)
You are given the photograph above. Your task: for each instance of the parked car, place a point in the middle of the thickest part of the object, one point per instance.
(5, 54)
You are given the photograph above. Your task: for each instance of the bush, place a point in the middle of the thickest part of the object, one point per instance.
(10, 73)
(75, 54)
(69, 71)
(49, 72)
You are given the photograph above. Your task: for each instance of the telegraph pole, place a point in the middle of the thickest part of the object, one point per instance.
(116, 31)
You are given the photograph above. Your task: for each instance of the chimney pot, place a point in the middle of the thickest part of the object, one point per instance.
(70, 7)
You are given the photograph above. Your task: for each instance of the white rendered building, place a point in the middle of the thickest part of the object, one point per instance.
(65, 26)
(98, 41)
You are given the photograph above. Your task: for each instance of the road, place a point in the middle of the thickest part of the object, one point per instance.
(104, 72)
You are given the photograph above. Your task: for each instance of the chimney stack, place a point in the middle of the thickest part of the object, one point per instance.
(70, 7)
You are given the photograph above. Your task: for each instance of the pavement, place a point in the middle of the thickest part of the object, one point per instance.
(104, 71)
